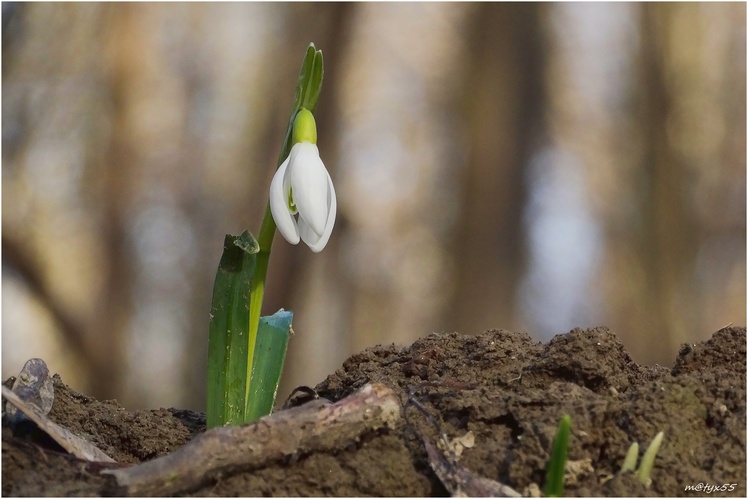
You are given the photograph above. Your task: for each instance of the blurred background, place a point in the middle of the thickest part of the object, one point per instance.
(534, 167)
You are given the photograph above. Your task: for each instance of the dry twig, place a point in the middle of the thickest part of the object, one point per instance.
(230, 449)
(458, 480)
(72, 443)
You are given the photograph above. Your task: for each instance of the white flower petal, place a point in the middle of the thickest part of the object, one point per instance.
(290, 204)
(309, 181)
(317, 243)
(284, 220)
(307, 234)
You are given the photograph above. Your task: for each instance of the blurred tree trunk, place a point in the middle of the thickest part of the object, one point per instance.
(666, 238)
(503, 105)
(666, 241)
(46, 122)
(109, 325)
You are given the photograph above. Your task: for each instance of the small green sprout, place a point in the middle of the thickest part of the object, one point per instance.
(645, 466)
(554, 482)
(629, 462)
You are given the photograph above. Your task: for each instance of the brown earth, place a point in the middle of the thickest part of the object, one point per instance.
(504, 388)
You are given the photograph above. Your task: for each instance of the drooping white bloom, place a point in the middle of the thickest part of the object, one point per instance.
(302, 198)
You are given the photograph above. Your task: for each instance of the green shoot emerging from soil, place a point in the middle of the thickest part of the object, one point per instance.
(554, 481)
(246, 352)
(645, 466)
(629, 462)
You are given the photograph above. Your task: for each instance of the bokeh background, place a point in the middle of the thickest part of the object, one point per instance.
(533, 167)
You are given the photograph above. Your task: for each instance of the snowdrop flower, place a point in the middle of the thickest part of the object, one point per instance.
(302, 197)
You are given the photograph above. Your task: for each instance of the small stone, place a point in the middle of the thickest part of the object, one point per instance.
(34, 386)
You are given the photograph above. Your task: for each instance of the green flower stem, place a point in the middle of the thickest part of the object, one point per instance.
(307, 94)
(257, 293)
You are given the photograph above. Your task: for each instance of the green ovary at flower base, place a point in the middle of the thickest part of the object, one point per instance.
(302, 188)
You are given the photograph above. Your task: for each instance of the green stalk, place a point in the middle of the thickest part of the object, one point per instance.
(307, 94)
(257, 293)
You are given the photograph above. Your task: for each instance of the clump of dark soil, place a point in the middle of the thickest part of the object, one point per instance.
(507, 391)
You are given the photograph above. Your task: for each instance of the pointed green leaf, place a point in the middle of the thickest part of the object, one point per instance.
(305, 74)
(629, 462)
(645, 466)
(554, 482)
(229, 330)
(269, 356)
(315, 83)
(308, 88)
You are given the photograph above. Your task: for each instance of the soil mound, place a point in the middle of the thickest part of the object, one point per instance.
(498, 395)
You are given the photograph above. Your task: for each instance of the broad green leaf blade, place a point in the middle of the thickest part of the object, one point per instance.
(229, 330)
(269, 356)
(554, 481)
